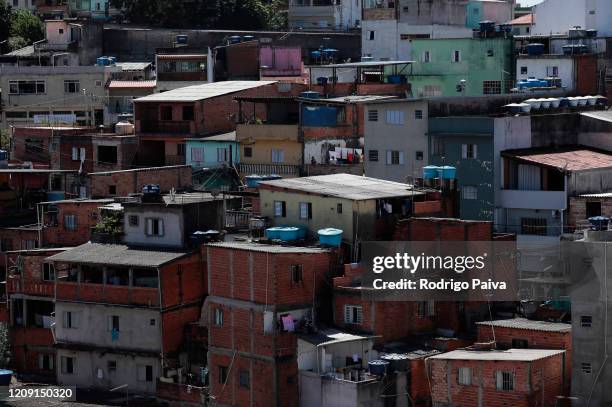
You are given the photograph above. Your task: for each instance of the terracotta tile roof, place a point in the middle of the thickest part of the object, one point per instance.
(131, 84)
(522, 20)
(574, 159)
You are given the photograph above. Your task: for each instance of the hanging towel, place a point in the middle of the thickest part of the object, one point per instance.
(288, 323)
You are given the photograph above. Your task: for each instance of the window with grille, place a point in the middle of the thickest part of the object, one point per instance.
(469, 192)
(278, 156)
(491, 88)
(418, 114)
(505, 381)
(372, 115)
(70, 222)
(523, 70)
(48, 272)
(296, 273)
(395, 117)
(155, 227)
(586, 321)
(280, 209)
(219, 316)
(248, 151)
(67, 365)
(456, 56)
(469, 151)
(71, 86)
(353, 314)
(373, 155)
(395, 157)
(586, 367)
(464, 376)
(305, 210)
(426, 57)
(432, 90)
(533, 226)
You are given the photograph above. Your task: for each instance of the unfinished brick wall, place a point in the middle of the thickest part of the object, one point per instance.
(425, 229)
(536, 383)
(86, 215)
(131, 181)
(577, 209)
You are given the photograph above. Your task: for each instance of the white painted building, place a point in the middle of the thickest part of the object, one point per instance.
(543, 66)
(324, 14)
(558, 16)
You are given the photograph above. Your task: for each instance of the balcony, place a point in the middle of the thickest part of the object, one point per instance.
(105, 293)
(524, 199)
(278, 169)
(35, 287)
(287, 132)
(168, 127)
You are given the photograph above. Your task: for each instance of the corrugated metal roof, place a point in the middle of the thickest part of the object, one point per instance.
(604, 115)
(181, 57)
(364, 64)
(331, 336)
(231, 136)
(570, 159)
(118, 255)
(523, 323)
(204, 91)
(514, 355)
(268, 248)
(133, 66)
(347, 186)
(602, 195)
(132, 84)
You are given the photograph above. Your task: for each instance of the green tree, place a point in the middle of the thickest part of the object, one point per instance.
(5, 20)
(26, 25)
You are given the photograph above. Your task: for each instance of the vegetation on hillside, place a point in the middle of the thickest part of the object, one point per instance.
(209, 14)
(18, 27)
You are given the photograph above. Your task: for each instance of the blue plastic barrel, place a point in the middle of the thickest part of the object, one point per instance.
(301, 232)
(5, 377)
(330, 237)
(430, 172)
(273, 233)
(288, 234)
(448, 172)
(252, 181)
(599, 222)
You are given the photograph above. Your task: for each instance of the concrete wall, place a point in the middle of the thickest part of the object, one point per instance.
(558, 16)
(135, 328)
(209, 153)
(173, 234)
(91, 365)
(407, 138)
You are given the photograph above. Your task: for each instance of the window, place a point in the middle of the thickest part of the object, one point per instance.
(504, 381)
(111, 367)
(533, 226)
(197, 154)
(180, 149)
(244, 379)
(165, 113)
(593, 209)
(395, 157)
(395, 117)
(373, 155)
(426, 57)
(520, 343)
(48, 272)
(418, 156)
(6, 245)
(469, 151)
(222, 154)
(438, 147)
(28, 244)
(469, 192)
(586, 367)
(490, 53)
(432, 90)
(188, 113)
(339, 208)
(219, 316)
(418, 114)
(278, 156)
(70, 222)
(353, 314)
(305, 210)
(78, 154)
(68, 365)
(133, 220)
(107, 154)
(45, 361)
(586, 321)
(456, 56)
(464, 376)
(155, 227)
(27, 87)
(223, 370)
(523, 70)
(552, 71)
(427, 309)
(372, 115)
(280, 209)
(70, 320)
(370, 35)
(248, 152)
(145, 373)
(491, 88)
(71, 86)
(113, 323)
(152, 322)
(296, 273)
(112, 189)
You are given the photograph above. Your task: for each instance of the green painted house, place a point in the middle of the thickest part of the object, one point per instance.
(467, 144)
(461, 66)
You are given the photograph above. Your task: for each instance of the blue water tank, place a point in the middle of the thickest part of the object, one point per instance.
(397, 79)
(378, 367)
(235, 39)
(248, 38)
(310, 95)
(448, 172)
(430, 172)
(288, 234)
(535, 49)
(3, 155)
(599, 222)
(302, 232)
(273, 233)
(5, 377)
(330, 237)
(252, 181)
(56, 196)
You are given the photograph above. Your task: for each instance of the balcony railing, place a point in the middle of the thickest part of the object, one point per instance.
(279, 169)
(105, 293)
(174, 127)
(17, 285)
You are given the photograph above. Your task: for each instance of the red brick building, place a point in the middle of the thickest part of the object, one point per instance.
(525, 333)
(125, 182)
(30, 287)
(496, 378)
(259, 297)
